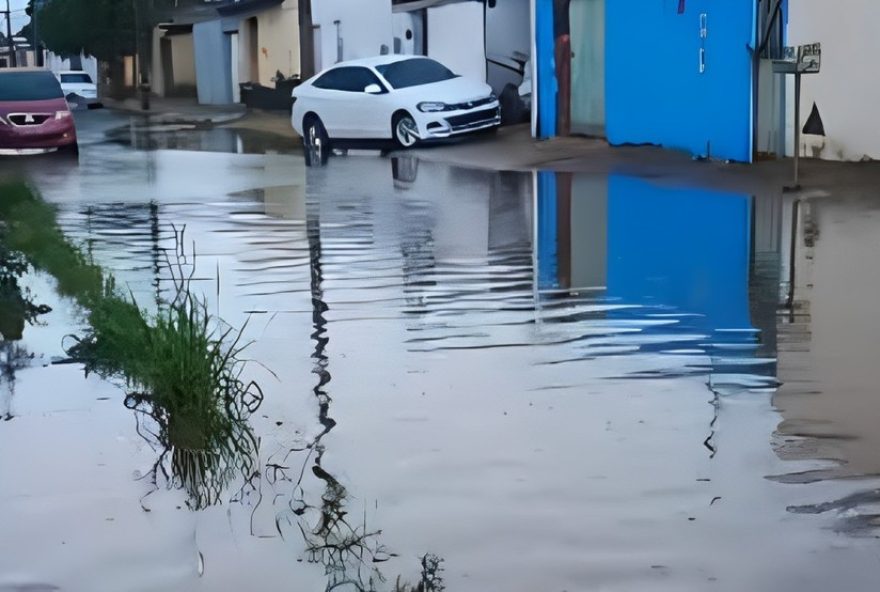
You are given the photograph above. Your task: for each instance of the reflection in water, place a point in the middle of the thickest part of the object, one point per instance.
(827, 359)
(673, 263)
(146, 135)
(349, 551)
(17, 310)
(577, 378)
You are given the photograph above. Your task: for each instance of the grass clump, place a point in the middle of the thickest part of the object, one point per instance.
(182, 373)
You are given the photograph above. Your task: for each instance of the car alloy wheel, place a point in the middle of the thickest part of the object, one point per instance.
(406, 132)
(316, 143)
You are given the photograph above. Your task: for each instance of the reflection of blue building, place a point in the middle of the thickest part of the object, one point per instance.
(685, 250)
(677, 257)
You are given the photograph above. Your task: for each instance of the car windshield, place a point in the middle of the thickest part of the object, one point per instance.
(29, 86)
(414, 72)
(79, 78)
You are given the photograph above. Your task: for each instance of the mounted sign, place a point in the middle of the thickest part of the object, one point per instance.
(804, 59)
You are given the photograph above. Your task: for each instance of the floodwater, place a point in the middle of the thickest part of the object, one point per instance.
(537, 382)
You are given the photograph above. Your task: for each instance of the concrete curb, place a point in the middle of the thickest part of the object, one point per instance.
(171, 116)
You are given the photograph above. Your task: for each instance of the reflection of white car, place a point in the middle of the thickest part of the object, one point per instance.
(80, 85)
(402, 98)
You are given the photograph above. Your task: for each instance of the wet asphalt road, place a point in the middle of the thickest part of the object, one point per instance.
(551, 382)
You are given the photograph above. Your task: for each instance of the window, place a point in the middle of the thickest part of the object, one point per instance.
(349, 79)
(414, 72)
(29, 86)
(78, 78)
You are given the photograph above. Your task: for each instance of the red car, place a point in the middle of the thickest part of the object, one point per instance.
(34, 115)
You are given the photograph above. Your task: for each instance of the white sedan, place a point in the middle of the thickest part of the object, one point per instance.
(78, 87)
(402, 98)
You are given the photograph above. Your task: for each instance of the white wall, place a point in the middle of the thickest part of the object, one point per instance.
(847, 91)
(457, 38)
(508, 32)
(508, 28)
(364, 26)
(57, 63)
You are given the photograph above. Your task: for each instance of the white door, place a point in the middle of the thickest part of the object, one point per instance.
(236, 79)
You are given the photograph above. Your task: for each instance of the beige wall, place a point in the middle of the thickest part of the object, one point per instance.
(847, 91)
(278, 41)
(183, 60)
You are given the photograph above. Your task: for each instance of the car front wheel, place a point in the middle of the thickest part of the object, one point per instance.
(316, 142)
(406, 132)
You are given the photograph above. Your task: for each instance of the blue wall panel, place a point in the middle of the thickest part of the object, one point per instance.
(545, 43)
(213, 63)
(655, 93)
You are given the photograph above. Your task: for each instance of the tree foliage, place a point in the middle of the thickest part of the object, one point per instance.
(102, 28)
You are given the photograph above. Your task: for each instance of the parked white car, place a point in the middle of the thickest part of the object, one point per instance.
(78, 87)
(406, 99)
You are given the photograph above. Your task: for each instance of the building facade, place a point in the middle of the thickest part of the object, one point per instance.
(845, 94)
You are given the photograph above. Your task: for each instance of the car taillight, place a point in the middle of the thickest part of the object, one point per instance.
(62, 115)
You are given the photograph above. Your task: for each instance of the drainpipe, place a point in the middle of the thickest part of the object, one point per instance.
(562, 32)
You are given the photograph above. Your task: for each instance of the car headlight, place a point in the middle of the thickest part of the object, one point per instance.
(59, 115)
(431, 107)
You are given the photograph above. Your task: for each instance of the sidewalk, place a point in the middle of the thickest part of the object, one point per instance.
(179, 111)
(514, 149)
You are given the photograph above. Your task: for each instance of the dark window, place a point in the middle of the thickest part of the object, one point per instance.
(78, 78)
(29, 86)
(414, 72)
(348, 78)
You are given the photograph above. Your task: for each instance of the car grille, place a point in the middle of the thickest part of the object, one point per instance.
(26, 119)
(471, 118)
(469, 104)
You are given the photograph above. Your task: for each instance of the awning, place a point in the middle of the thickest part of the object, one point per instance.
(176, 28)
(247, 6)
(410, 5)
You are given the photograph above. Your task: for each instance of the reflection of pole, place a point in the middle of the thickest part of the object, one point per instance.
(797, 128)
(795, 211)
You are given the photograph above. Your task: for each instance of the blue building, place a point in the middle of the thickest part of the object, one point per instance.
(675, 73)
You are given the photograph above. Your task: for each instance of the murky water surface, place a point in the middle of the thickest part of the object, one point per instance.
(508, 381)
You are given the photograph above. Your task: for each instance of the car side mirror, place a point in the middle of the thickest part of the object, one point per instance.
(373, 89)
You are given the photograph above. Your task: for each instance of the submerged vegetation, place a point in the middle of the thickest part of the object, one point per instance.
(182, 373)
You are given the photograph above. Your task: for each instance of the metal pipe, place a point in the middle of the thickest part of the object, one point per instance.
(797, 129)
(13, 59)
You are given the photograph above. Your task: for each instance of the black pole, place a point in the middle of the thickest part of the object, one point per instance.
(797, 130)
(13, 59)
(38, 52)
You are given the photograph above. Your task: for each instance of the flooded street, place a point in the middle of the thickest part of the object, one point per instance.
(472, 379)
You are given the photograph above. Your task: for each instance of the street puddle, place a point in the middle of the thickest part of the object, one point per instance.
(467, 381)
